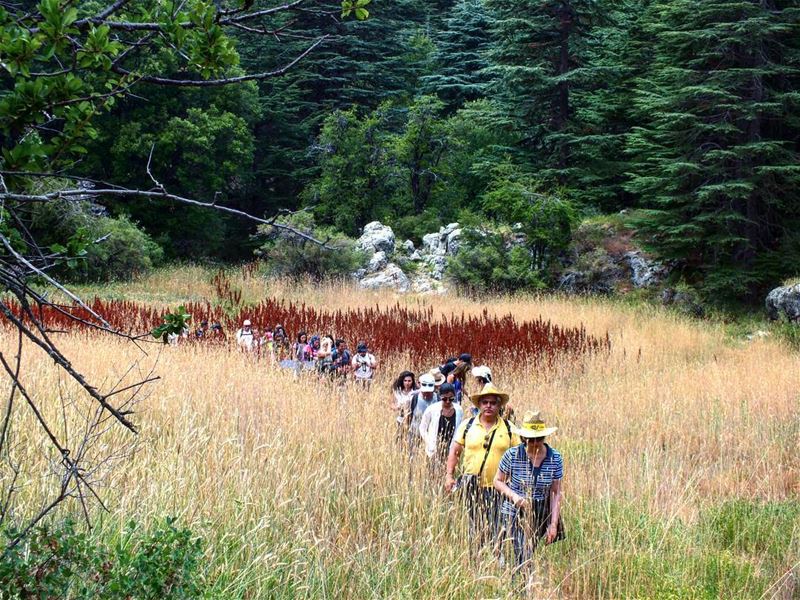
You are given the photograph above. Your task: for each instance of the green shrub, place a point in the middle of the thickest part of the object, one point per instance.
(485, 262)
(64, 562)
(286, 254)
(74, 228)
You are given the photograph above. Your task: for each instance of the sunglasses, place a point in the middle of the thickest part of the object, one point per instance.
(536, 439)
(448, 398)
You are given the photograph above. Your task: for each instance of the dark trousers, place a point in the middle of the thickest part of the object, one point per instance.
(483, 506)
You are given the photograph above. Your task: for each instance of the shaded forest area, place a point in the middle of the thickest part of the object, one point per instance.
(539, 112)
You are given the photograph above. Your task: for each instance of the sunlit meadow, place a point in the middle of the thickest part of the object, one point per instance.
(682, 468)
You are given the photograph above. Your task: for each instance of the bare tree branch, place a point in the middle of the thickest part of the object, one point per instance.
(225, 80)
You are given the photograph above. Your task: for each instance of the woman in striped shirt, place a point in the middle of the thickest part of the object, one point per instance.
(529, 478)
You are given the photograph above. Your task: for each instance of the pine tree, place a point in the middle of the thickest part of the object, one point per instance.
(535, 57)
(461, 56)
(717, 154)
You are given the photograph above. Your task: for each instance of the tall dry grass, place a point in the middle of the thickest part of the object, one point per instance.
(682, 473)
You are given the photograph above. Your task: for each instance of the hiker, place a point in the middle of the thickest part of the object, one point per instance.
(451, 363)
(529, 478)
(402, 389)
(481, 441)
(340, 359)
(325, 353)
(458, 378)
(420, 401)
(300, 348)
(280, 344)
(482, 375)
(216, 330)
(363, 365)
(438, 426)
(438, 378)
(245, 337)
(202, 331)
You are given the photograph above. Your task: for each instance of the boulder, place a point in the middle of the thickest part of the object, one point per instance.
(376, 237)
(391, 277)
(415, 256)
(644, 272)
(446, 241)
(454, 241)
(432, 244)
(784, 303)
(437, 264)
(408, 247)
(378, 262)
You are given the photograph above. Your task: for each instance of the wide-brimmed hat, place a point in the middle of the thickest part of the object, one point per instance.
(438, 376)
(533, 426)
(489, 390)
(482, 371)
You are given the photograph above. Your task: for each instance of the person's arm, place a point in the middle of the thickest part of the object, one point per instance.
(452, 460)
(425, 422)
(555, 511)
(501, 485)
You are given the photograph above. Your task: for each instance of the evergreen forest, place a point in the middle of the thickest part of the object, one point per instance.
(682, 115)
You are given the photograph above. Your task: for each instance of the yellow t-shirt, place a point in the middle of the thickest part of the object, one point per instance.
(474, 449)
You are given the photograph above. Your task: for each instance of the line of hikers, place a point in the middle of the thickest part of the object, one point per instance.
(508, 477)
(321, 353)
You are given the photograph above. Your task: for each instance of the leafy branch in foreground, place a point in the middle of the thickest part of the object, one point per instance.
(62, 64)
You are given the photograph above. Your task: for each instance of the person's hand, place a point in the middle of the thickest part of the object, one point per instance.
(552, 532)
(521, 502)
(449, 483)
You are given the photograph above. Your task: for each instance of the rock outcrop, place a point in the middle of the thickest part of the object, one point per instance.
(385, 262)
(391, 276)
(376, 237)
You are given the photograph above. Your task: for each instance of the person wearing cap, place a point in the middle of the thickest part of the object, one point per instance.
(245, 336)
(363, 364)
(529, 478)
(481, 442)
(438, 425)
(420, 401)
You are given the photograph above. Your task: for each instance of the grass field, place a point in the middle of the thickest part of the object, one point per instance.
(681, 451)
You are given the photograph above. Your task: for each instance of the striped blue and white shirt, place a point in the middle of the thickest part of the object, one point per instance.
(521, 474)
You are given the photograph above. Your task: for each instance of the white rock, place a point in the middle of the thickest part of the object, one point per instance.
(378, 261)
(376, 237)
(391, 277)
(644, 272)
(423, 284)
(415, 256)
(408, 246)
(437, 263)
(432, 244)
(454, 241)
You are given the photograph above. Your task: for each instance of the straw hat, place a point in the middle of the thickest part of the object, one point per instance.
(438, 376)
(533, 426)
(489, 390)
